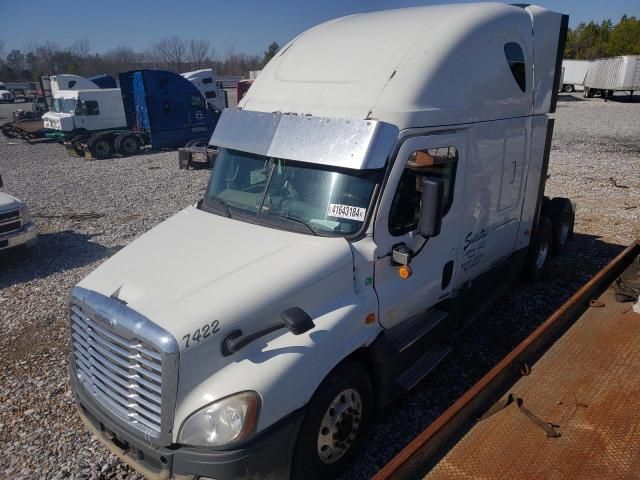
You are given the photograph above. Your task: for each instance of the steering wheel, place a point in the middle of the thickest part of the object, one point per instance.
(355, 197)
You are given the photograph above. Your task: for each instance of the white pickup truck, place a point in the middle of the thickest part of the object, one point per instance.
(382, 180)
(17, 228)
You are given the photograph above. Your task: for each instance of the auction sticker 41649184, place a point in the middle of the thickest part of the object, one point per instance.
(346, 211)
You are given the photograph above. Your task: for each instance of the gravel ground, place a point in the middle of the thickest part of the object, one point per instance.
(88, 210)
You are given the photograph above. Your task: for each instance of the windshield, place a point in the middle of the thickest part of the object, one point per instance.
(301, 196)
(64, 105)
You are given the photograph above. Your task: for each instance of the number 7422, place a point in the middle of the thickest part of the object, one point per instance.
(201, 333)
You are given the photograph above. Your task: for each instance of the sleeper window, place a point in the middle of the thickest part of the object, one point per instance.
(515, 58)
(90, 107)
(435, 163)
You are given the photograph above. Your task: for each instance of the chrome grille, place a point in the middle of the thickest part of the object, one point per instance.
(124, 375)
(10, 221)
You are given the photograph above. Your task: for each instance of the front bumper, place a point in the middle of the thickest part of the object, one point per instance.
(268, 456)
(26, 235)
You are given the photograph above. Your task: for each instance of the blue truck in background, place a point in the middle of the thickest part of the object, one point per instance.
(162, 110)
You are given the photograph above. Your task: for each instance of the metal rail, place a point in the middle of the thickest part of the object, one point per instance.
(420, 455)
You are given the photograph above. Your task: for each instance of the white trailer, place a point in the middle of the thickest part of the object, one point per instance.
(609, 75)
(358, 216)
(573, 74)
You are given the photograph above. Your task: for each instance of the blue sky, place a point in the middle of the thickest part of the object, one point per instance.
(244, 25)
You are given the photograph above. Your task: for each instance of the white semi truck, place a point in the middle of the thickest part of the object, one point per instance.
(77, 111)
(381, 182)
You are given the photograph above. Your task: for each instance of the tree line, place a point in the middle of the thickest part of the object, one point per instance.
(171, 53)
(591, 40)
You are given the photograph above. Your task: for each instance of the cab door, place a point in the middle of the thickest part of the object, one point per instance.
(434, 260)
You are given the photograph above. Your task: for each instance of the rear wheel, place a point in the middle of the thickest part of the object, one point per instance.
(568, 88)
(198, 142)
(127, 144)
(539, 250)
(100, 147)
(560, 212)
(337, 416)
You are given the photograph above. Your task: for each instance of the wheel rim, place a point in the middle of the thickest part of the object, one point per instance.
(542, 255)
(340, 426)
(102, 147)
(129, 145)
(564, 229)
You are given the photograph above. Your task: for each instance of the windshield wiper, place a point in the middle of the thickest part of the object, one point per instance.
(293, 219)
(221, 203)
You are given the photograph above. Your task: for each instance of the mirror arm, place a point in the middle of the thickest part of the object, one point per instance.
(236, 340)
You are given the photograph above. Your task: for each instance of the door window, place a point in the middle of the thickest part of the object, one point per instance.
(435, 164)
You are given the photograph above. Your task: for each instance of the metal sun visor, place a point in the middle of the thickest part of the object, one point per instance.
(357, 144)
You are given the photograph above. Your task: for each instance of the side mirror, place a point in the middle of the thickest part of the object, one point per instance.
(1, 182)
(297, 320)
(432, 206)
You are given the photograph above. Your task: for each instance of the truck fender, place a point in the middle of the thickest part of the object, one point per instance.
(287, 370)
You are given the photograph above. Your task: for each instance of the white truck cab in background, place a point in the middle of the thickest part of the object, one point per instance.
(381, 181)
(205, 80)
(6, 96)
(86, 110)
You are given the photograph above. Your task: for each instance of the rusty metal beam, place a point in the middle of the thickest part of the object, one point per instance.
(419, 455)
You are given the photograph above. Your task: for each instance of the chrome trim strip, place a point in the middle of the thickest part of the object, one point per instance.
(348, 143)
(112, 362)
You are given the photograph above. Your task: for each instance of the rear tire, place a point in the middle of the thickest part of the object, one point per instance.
(539, 250)
(568, 88)
(127, 144)
(100, 147)
(335, 423)
(198, 142)
(560, 212)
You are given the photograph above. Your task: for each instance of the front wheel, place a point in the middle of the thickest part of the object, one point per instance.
(336, 420)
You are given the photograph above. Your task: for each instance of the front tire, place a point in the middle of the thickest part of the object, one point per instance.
(337, 418)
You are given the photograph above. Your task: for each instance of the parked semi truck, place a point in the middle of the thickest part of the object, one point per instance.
(161, 110)
(609, 75)
(211, 88)
(358, 216)
(59, 92)
(573, 74)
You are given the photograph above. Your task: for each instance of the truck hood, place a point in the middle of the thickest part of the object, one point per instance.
(58, 121)
(8, 202)
(197, 267)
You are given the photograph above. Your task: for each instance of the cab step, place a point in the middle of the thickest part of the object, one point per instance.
(407, 333)
(423, 366)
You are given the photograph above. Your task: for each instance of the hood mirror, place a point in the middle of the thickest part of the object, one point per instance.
(295, 319)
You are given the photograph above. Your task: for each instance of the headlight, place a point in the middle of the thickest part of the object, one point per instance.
(228, 420)
(25, 214)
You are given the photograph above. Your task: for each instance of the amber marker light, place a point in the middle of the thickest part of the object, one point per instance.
(370, 318)
(404, 271)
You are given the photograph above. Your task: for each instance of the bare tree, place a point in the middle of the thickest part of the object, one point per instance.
(120, 59)
(81, 48)
(199, 53)
(173, 51)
